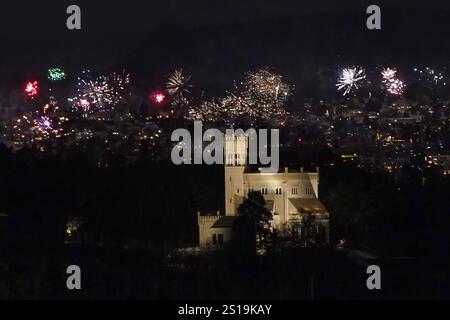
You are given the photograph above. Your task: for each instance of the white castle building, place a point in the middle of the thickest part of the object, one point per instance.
(290, 195)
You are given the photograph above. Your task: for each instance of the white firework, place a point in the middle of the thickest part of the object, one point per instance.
(208, 111)
(392, 83)
(178, 83)
(350, 79)
(431, 76)
(266, 87)
(388, 73)
(260, 96)
(44, 123)
(395, 86)
(119, 80)
(100, 92)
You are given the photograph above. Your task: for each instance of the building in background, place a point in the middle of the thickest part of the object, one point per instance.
(291, 196)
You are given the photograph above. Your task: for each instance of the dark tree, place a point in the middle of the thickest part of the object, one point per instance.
(252, 228)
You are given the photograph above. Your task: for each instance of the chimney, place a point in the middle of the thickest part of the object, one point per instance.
(301, 169)
(286, 169)
(218, 212)
(317, 169)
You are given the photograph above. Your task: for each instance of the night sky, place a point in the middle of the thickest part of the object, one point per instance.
(143, 33)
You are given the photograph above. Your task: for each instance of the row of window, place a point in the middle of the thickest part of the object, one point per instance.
(308, 190)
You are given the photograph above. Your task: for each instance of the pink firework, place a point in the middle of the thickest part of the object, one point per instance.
(158, 97)
(395, 86)
(84, 104)
(31, 89)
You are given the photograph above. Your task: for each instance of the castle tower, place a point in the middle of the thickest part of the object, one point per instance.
(235, 154)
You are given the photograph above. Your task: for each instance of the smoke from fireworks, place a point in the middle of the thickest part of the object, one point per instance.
(350, 78)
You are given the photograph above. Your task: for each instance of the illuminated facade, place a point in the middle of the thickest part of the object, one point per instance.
(291, 196)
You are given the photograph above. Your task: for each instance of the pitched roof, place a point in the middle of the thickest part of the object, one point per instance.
(308, 205)
(224, 222)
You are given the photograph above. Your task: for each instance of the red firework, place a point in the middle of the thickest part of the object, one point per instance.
(31, 89)
(158, 97)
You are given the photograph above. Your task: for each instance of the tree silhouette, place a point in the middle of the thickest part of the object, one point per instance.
(253, 226)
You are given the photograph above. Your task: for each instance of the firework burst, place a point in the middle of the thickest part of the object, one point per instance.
(264, 86)
(431, 76)
(56, 74)
(391, 82)
(100, 93)
(207, 111)
(261, 95)
(395, 86)
(31, 89)
(350, 79)
(178, 83)
(119, 81)
(388, 73)
(46, 123)
(178, 88)
(158, 97)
